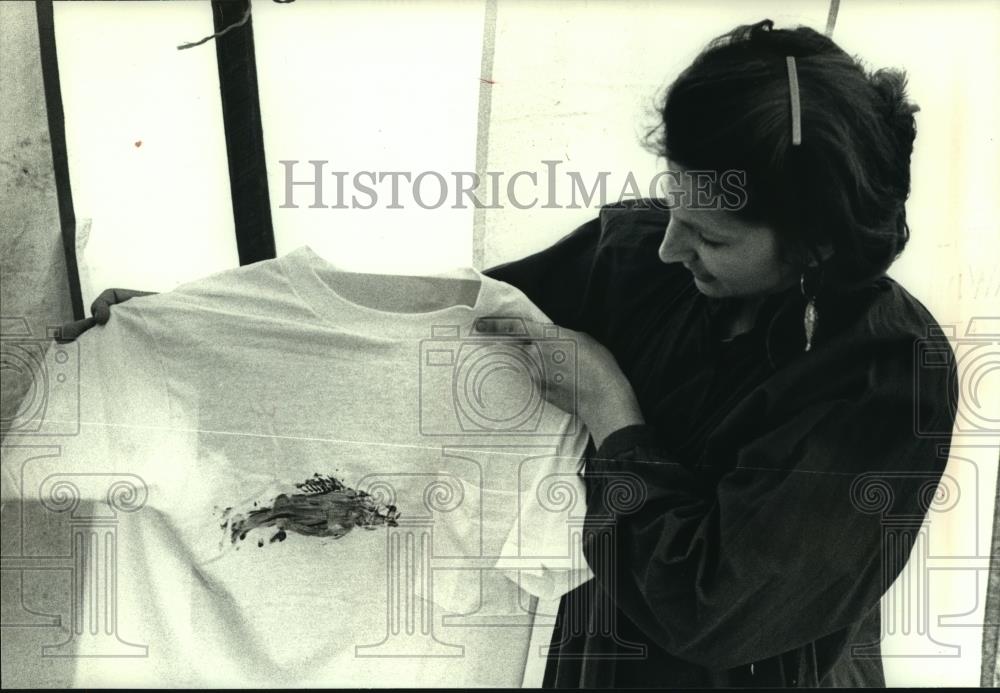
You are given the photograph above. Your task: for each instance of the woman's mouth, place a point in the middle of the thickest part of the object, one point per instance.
(702, 277)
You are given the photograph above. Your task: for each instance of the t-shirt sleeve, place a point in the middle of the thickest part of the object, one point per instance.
(77, 478)
(786, 546)
(543, 551)
(62, 437)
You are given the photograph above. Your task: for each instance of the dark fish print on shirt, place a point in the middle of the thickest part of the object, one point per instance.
(325, 508)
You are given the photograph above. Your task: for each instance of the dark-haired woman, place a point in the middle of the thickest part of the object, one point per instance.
(749, 378)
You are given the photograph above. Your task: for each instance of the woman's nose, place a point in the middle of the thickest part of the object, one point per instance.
(674, 247)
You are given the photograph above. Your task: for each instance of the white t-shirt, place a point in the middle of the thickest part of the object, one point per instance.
(223, 415)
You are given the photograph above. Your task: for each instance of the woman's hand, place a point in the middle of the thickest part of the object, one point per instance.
(101, 310)
(601, 396)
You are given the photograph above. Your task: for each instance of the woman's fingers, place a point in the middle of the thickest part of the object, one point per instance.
(507, 326)
(578, 374)
(101, 308)
(549, 378)
(517, 330)
(71, 330)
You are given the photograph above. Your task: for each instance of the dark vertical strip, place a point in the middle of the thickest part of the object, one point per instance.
(57, 137)
(990, 666)
(244, 133)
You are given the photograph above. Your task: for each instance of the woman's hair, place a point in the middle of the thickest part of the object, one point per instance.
(845, 185)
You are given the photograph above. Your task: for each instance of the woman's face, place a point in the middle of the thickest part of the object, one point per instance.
(727, 256)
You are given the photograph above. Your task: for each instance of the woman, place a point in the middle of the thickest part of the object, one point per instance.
(750, 383)
(733, 527)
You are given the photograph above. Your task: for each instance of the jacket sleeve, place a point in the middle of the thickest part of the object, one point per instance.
(599, 277)
(788, 543)
(556, 279)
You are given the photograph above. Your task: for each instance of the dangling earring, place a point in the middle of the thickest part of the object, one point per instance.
(808, 285)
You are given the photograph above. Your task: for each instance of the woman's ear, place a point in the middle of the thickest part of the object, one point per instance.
(825, 251)
(814, 255)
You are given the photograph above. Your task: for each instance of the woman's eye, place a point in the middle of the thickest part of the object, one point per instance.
(709, 243)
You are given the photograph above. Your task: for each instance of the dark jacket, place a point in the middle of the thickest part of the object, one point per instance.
(745, 534)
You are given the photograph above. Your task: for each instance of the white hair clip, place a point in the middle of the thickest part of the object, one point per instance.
(793, 89)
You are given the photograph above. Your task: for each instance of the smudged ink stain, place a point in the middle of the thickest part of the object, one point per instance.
(325, 508)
